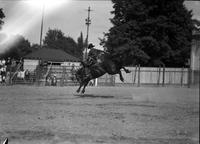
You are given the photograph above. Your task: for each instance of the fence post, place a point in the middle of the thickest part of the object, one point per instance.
(38, 72)
(113, 78)
(62, 77)
(189, 77)
(135, 75)
(163, 80)
(10, 71)
(159, 70)
(138, 75)
(95, 82)
(182, 76)
(106, 81)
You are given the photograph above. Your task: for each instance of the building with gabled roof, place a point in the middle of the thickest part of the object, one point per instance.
(49, 56)
(54, 55)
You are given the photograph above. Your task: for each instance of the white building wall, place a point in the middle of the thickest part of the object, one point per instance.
(70, 63)
(30, 65)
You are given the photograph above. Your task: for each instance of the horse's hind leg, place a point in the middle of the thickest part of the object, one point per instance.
(78, 90)
(120, 76)
(126, 70)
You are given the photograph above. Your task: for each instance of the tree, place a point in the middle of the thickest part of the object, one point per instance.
(16, 48)
(1, 17)
(71, 47)
(35, 47)
(57, 40)
(150, 32)
(54, 39)
(19, 49)
(2, 36)
(81, 44)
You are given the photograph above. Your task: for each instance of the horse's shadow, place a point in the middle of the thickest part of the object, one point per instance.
(92, 96)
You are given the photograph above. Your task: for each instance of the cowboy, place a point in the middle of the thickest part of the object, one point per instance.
(92, 58)
(94, 55)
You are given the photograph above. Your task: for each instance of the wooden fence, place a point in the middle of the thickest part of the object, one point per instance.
(44, 76)
(139, 76)
(148, 76)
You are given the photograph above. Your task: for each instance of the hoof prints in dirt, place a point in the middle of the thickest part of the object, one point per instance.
(92, 96)
(79, 138)
(29, 135)
(129, 104)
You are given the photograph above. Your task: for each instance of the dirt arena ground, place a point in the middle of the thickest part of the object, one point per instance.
(104, 115)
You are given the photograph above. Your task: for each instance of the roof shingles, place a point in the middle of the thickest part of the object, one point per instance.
(51, 55)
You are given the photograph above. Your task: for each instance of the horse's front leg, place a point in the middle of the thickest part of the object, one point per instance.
(83, 90)
(78, 90)
(126, 70)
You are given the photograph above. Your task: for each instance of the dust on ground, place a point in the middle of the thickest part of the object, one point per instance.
(103, 115)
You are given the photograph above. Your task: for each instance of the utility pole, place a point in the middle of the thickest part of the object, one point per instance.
(87, 22)
(42, 23)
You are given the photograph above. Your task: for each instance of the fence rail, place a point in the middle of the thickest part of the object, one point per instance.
(149, 76)
(160, 76)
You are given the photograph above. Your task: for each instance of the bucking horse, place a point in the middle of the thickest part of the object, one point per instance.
(103, 66)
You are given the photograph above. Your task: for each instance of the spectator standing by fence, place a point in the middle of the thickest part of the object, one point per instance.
(73, 71)
(3, 72)
(54, 80)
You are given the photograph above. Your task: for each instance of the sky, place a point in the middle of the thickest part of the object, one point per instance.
(24, 17)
